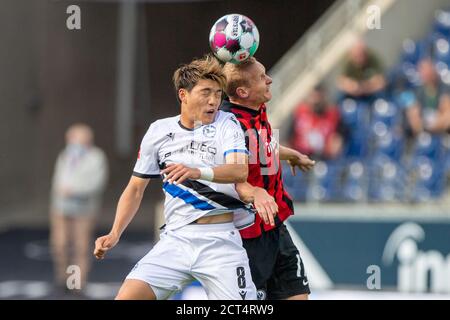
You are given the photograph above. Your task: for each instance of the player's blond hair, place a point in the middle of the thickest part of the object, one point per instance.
(188, 75)
(237, 76)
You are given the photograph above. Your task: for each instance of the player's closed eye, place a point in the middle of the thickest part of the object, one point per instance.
(217, 95)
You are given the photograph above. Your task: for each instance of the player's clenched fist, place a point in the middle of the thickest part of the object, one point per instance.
(103, 244)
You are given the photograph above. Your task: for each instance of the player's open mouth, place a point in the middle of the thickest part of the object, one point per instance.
(210, 111)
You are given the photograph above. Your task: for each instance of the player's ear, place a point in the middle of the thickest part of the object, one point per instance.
(182, 95)
(242, 92)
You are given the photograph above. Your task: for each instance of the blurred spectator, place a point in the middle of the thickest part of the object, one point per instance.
(316, 129)
(430, 108)
(362, 76)
(78, 182)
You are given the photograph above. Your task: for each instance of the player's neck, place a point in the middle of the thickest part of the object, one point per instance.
(246, 104)
(186, 121)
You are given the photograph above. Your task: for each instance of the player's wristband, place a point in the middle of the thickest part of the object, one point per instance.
(206, 173)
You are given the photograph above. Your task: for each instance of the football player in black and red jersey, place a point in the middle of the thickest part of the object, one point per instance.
(276, 266)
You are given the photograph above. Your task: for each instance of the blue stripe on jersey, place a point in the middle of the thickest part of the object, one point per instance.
(235, 150)
(188, 197)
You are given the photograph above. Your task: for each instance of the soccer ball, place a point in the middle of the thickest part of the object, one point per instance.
(234, 38)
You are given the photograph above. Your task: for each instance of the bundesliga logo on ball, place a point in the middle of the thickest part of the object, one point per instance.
(234, 38)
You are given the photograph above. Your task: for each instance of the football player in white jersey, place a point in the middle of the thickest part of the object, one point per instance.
(200, 154)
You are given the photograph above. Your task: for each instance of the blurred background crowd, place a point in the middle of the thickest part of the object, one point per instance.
(385, 135)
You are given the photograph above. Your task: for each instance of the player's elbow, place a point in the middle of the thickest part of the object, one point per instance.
(241, 173)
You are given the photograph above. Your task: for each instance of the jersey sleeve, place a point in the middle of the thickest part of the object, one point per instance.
(147, 164)
(233, 137)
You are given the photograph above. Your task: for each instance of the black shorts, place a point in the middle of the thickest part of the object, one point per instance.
(276, 266)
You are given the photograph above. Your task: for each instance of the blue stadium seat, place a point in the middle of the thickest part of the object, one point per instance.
(428, 145)
(445, 141)
(296, 186)
(447, 163)
(325, 182)
(387, 112)
(442, 22)
(389, 143)
(443, 69)
(414, 51)
(388, 180)
(355, 185)
(348, 109)
(356, 146)
(410, 51)
(356, 117)
(409, 71)
(429, 179)
(427, 45)
(441, 50)
(396, 80)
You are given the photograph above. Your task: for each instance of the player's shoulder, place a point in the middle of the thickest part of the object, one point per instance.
(225, 117)
(164, 122)
(160, 128)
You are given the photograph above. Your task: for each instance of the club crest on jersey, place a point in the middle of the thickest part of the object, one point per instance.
(261, 295)
(209, 131)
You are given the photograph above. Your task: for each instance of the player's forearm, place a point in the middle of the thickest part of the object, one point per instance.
(230, 173)
(127, 207)
(246, 192)
(286, 153)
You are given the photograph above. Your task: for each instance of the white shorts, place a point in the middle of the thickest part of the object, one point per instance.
(210, 253)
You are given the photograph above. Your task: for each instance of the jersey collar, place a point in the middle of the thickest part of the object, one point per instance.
(228, 105)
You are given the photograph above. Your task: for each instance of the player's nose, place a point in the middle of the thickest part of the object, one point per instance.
(213, 101)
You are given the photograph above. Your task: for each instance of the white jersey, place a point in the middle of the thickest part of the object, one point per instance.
(167, 141)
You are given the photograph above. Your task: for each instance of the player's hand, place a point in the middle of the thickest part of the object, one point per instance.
(177, 173)
(300, 160)
(104, 244)
(265, 205)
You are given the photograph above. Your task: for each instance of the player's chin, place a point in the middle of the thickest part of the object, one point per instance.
(208, 117)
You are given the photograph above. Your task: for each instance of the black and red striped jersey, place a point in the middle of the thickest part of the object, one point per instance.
(264, 162)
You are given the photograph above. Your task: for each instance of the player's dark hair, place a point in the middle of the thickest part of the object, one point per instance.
(188, 75)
